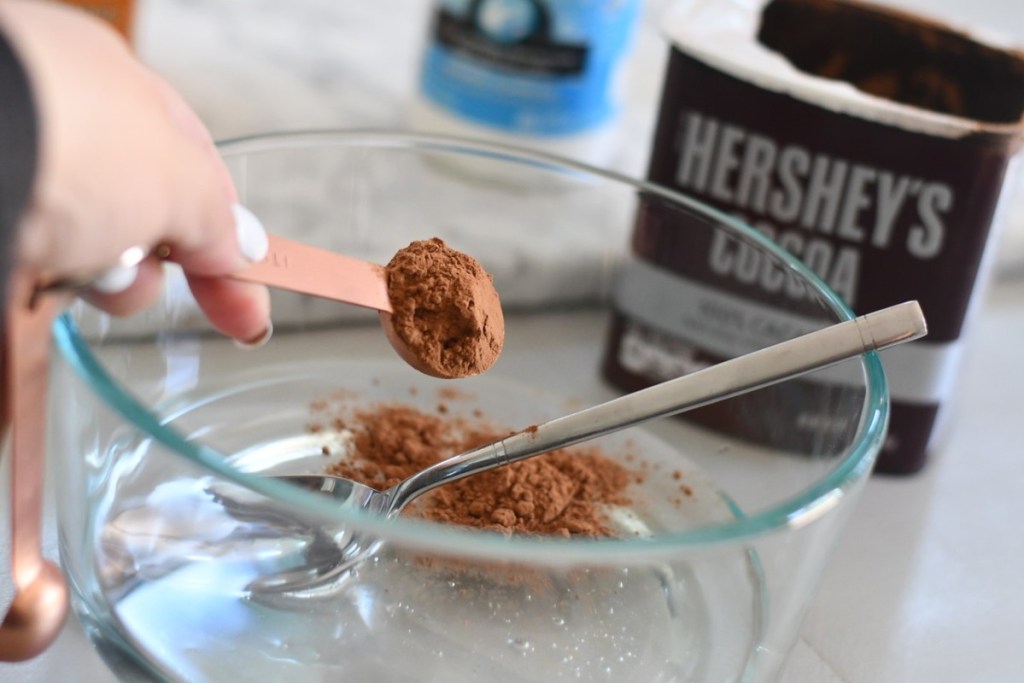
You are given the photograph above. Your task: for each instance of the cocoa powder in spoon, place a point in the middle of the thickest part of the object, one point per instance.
(445, 309)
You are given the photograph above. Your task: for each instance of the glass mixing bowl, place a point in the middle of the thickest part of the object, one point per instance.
(171, 530)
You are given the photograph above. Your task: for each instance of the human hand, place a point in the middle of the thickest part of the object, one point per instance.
(124, 162)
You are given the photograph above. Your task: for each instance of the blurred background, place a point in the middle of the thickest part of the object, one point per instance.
(263, 65)
(260, 65)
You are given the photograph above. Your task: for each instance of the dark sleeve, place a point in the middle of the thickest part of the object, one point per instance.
(19, 137)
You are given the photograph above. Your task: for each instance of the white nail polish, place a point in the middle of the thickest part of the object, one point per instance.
(115, 280)
(252, 237)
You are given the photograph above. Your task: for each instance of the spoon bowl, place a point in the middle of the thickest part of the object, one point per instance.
(305, 269)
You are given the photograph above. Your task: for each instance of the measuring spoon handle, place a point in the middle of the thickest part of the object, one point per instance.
(301, 268)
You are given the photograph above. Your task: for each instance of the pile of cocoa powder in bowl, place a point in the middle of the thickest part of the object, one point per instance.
(561, 493)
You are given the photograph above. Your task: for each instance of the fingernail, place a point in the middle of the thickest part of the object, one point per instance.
(115, 280)
(257, 342)
(252, 237)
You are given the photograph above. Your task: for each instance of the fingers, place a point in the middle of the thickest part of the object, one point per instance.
(137, 295)
(208, 236)
(213, 248)
(181, 115)
(223, 251)
(238, 309)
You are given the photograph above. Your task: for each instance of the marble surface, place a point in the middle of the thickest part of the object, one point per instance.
(264, 66)
(925, 584)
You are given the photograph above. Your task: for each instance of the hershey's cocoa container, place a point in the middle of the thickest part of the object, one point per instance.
(875, 145)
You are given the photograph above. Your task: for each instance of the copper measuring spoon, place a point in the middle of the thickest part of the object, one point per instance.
(40, 603)
(291, 265)
(300, 268)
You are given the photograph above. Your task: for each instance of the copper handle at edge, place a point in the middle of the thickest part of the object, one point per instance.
(40, 604)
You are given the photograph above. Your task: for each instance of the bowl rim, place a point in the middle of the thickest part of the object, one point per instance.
(809, 504)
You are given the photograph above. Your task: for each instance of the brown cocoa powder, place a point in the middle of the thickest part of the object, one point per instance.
(445, 309)
(909, 59)
(560, 493)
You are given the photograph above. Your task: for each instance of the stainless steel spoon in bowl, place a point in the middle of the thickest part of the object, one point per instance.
(326, 560)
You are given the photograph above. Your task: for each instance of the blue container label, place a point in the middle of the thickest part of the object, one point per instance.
(537, 67)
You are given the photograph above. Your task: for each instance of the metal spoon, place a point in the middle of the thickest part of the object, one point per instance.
(887, 327)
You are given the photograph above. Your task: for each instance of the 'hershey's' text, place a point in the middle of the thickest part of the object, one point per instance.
(829, 208)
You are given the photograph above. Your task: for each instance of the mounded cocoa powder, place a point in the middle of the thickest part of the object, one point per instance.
(560, 493)
(445, 310)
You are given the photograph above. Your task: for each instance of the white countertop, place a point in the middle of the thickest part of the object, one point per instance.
(925, 584)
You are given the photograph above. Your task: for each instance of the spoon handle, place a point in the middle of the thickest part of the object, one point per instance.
(301, 268)
(785, 360)
(39, 606)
